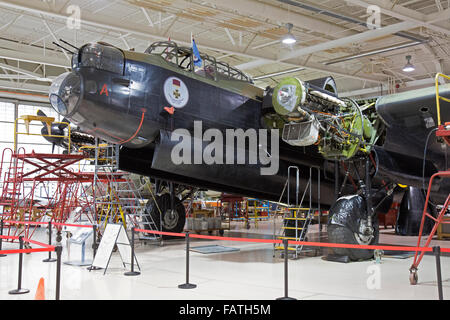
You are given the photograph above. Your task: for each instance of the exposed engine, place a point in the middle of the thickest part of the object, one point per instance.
(309, 115)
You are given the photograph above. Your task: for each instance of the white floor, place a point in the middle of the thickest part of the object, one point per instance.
(250, 274)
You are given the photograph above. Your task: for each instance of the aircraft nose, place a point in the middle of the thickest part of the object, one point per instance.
(65, 93)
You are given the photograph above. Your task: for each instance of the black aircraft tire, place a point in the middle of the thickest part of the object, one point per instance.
(340, 234)
(163, 202)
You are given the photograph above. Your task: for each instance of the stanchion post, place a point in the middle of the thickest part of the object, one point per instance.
(286, 274)
(19, 289)
(187, 285)
(94, 247)
(49, 259)
(58, 250)
(132, 272)
(437, 253)
(1, 240)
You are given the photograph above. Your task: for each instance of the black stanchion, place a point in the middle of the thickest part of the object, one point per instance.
(132, 272)
(58, 250)
(187, 285)
(19, 289)
(1, 240)
(49, 259)
(286, 277)
(437, 253)
(94, 248)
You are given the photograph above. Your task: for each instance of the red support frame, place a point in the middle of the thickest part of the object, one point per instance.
(437, 221)
(20, 187)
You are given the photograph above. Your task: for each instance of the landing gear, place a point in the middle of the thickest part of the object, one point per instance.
(161, 212)
(349, 224)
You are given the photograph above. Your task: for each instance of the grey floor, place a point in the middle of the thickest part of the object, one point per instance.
(251, 273)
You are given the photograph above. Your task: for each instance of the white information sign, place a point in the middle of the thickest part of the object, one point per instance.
(114, 234)
(124, 246)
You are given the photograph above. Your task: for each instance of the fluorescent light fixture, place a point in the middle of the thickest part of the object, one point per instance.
(289, 37)
(409, 67)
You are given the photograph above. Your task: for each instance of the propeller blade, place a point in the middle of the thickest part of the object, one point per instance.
(42, 114)
(62, 126)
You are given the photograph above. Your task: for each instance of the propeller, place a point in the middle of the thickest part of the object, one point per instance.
(57, 129)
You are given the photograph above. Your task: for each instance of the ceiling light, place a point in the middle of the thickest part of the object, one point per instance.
(409, 67)
(289, 37)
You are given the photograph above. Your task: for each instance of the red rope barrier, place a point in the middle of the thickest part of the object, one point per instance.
(9, 237)
(72, 225)
(25, 222)
(198, 236)
(355, 246)
(161, 233)
(46, 223)
(27, 250)
(46, 247)
(39, 243)
(313, 244)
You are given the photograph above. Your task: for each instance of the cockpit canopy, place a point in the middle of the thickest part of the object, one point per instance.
(183, 57)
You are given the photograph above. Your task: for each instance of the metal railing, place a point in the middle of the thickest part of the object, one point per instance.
(438, 97)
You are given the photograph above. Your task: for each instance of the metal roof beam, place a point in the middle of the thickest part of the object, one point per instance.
(23, 86)
(56, 61)
(360, 37)
(145, 32)
(406, 14)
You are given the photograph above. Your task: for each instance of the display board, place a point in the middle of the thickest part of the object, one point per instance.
(81, 235)
(124, 246)
(114, 234)
(106, 246)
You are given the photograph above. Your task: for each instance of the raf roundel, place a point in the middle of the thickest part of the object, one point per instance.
(176, 92)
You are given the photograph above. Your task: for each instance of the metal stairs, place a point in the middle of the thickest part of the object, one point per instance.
(297, 219)
(120, 199)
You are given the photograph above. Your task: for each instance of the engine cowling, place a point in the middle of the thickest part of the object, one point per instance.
(313, 116)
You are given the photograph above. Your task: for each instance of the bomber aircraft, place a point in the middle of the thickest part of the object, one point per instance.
(363, 156)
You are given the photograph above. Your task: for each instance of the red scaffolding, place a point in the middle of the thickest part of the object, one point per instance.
(443, 132)
(26, 196)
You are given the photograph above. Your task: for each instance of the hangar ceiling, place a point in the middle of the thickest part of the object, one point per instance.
(333, 38)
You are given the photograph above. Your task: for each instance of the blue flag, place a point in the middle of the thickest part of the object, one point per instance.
(197, 59)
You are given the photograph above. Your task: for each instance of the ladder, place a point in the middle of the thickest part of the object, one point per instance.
(297, 219)
(134, 205)
(119, 198)
(443, 131)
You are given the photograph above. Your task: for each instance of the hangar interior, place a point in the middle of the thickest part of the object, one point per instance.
(91, 92)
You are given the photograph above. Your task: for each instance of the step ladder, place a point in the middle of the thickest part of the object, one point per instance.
(134, 205)
(10, 178)
(297, 219)
(120, 194)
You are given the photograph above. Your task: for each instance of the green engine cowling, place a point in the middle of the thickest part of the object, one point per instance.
(308, 116)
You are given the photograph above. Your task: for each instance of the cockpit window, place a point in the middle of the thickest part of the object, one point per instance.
(103, 57)
(183, 58)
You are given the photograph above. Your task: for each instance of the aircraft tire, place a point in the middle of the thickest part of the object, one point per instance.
(340, 234)
(170, 223)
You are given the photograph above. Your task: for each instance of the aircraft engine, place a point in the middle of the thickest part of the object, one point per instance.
(309, 115)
